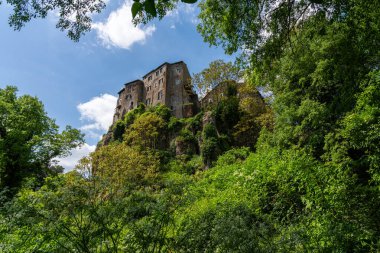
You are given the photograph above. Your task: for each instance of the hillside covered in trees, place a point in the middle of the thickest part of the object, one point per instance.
(299, 173)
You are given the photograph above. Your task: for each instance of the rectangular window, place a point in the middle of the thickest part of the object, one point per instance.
(147, 102)
(159, 95)
(149, 78)
(157, 73)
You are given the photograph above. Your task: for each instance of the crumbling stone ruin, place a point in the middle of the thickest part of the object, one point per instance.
(169, 84)
(214, 96)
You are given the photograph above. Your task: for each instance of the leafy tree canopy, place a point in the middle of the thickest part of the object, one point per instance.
(75, 17)
(29, 140)
(217, 72)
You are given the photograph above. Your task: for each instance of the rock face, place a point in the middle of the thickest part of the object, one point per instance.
(184, 147)
(169, 84)
(208, 118)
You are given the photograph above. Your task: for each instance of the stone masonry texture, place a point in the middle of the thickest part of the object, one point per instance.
(169, 84)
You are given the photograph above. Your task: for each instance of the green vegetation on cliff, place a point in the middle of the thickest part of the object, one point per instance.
(302, 175)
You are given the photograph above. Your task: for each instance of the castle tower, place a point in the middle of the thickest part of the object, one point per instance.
(129, 98)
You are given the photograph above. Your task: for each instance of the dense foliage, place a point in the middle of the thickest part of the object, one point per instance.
(217, 72)
(300, 176)
(29, 142)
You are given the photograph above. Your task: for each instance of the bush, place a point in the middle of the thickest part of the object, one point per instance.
(233, 156)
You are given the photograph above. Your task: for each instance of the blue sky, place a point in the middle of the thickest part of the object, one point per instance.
(78, 82)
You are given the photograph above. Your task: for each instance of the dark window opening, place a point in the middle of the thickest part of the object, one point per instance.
(159, 95)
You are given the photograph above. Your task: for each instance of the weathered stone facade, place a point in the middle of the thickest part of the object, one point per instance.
(129, 97)
(214, 96)
(169, 84)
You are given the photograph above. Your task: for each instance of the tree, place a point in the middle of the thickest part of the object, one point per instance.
(123, 166)
(217, 72)
(29, 140)
(146, 132)
(75, 17)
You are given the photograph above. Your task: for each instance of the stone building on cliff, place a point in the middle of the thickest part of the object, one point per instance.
(169, 84)
(219, 92)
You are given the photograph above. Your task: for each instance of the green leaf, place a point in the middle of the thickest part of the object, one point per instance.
(136, 7)
(189, 1)
(150, 7)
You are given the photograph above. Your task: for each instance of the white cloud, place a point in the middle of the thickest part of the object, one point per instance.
(76, 154)
(119, 31)
(97, 113)
(184, 13)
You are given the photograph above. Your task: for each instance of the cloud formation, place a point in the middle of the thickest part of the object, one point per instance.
(119, 31)
(97, 115)
(184, 13)
(76, 154)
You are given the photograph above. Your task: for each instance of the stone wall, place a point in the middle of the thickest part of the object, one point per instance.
(214, 96)
(129, 97)
(168, 84)
(155, 83)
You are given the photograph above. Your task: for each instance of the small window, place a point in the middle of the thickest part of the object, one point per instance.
(147, 102)
(157, 73)
(179, 69)
(159, 95)
(160, 70)
(148, 88)
(177, 81)
(149, 78)
(131, 106)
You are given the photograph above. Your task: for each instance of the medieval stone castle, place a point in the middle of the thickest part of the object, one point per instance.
(169, 84)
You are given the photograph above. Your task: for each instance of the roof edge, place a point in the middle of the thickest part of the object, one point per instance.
(137, 80)
(165, 63)
(126, 84)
